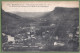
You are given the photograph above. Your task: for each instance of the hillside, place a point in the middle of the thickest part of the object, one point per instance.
(57, 30)
(11, 22)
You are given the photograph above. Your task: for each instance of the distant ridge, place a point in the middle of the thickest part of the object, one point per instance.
(13, 21)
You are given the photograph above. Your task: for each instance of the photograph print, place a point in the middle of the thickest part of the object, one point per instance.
(40, 26)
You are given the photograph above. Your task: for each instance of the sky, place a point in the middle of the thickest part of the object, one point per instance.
(36, 6)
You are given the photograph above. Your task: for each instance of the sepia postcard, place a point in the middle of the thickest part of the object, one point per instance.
(40, 26)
